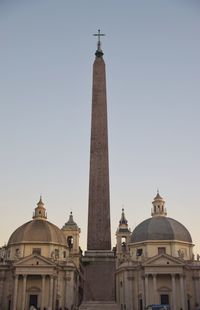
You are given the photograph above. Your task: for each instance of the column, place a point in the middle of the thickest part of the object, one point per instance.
(69, 292)
(155, 288)
(15, 293)
(1, 288)
(66, 289)
(173, 277)
(55, 292)
(43, 291)
(117, 288)
(51, 293)
(24, 292)
(182, 291)
(123, 290)
(198, 290)
(128, 290)
(131, 287)
(143, 291)
(146, 290)
(77, 289)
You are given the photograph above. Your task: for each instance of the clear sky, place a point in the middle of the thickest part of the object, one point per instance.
(152, 55)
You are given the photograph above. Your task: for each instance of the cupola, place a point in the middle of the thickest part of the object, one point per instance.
(40, 211)
(158, 206)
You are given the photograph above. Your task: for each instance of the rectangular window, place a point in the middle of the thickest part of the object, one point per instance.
(56, 253)
(17, 252)
(36, 251)
(162, 250)
(139, 252)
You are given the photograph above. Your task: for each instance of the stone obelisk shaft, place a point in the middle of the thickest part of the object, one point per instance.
(99, 235)
(99, 260)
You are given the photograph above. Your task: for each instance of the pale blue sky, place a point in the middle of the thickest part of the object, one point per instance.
(152, 53)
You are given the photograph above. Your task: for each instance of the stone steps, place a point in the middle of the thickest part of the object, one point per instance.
(99, 306)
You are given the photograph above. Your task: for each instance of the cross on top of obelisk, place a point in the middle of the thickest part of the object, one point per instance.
(99, 52)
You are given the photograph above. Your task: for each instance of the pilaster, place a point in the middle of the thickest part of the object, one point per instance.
(173, 277)
(15, 292)
(43, 291)
(24, 292)
(146, 280)
(51, 293)
(182, 291)
(155, 288)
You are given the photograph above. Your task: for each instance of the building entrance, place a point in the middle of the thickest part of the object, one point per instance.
(164, 299)
(33, 300)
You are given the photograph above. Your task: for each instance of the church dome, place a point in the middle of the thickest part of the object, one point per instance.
(160, 228)
(37, 230)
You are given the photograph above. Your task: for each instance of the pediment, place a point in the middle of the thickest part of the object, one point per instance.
(34, 260)
(163, 260)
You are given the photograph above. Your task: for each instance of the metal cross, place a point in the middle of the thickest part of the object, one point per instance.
(99, 35)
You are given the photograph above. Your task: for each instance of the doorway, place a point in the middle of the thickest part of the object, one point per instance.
(164, 299)
(188, 303)
(33, 300)
(140, 304)
(9, 304)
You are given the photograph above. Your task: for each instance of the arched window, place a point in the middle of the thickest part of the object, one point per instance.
(123, 243)
(70, 241)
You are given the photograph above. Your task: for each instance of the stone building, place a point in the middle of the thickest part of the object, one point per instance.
(40, 265)
(155, 263)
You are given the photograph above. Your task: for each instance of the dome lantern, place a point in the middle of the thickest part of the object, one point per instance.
(40, 211)
(158, 206)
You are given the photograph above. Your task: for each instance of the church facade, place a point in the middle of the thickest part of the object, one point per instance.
(42, 266)
(39, 266)
(156, 264)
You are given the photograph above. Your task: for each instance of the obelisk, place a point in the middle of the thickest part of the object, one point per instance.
(99, 259)
(99, 235)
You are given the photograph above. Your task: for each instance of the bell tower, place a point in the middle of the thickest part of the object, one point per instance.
(72, 234)
(123, 235)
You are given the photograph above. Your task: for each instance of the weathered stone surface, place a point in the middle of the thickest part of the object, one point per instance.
(99, 306)
(99, 260)
(99, 280)
(99, 235)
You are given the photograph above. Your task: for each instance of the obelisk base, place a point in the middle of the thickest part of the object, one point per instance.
(99, 280)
